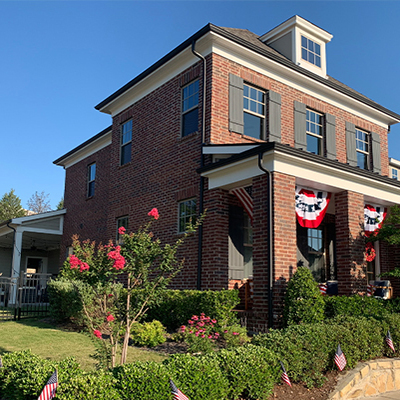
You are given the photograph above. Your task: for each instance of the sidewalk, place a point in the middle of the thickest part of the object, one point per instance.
(395, 395)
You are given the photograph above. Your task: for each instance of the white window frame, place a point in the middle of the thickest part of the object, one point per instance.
(309, 132)
(254, 101)
(183, 220)
(311, 52)
(124, 142)
(91, 180)
(366, 142)
(187, 109)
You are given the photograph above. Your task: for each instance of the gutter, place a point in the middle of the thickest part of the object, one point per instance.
(201, 188)
(270, 244)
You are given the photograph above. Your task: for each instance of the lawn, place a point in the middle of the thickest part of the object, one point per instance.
(54, 343)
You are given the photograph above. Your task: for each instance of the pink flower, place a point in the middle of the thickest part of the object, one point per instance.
(154, 213)
(235, 333)
(203, 335)
(216, 334)
(214, 321)
(97, 333)
(190, 322)
(197, 333)
(225, 331)
(210, 336)
(110, 318)
(84, 267)
(74, 261)
(195, 317)
(121, 230)
(183, 328)
(110, 295)
(119, 260)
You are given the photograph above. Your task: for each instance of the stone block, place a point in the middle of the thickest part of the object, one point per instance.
(390, 381)
(381, 383)
(370, 390)
(364, 371)
(355, 394)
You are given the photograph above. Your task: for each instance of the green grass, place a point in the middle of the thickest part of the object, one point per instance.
(56, 344)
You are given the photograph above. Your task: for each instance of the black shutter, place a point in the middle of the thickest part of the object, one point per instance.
(274, 116)
(236, 123)
(330, 136)
(300, 137)
(376, 152)
(351, 144)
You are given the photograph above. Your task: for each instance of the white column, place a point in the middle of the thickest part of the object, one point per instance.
(16, 263)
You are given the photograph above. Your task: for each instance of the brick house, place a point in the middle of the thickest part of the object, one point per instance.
(283, 157)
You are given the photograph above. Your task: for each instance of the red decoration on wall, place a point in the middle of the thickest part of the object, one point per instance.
(311, 206)
(370, 252)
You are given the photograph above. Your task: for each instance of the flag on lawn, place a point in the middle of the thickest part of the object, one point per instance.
(178, 395)
(284, 375)
(389, 341)
(340, 359)
(50, 388)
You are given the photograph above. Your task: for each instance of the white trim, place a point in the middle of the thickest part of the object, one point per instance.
(393, 162)
(86, 151)
(308, 173)
(226, 149)
(212, 42)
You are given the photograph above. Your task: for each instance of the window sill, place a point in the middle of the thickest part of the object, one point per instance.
(190, 135)
(125, 165)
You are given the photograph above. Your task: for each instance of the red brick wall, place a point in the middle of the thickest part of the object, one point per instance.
(350, 242)
(220, 133)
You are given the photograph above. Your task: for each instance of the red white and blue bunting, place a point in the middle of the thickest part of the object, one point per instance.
(373, 218)
(311, 206)
(244, 195)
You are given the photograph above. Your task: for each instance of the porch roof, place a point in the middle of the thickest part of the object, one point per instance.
(310, 170)
(41, 231)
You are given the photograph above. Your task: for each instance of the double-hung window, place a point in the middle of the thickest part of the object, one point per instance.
(394, 173)
(126, 142)
(186, 214)
(121, 222)
(91, 179)
(362, 149)
(190, 108)
(310, 51)
(314, 130)
(254, 112)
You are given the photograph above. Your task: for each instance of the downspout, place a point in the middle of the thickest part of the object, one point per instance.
(12, 258)
(270, 244)
(201, 189)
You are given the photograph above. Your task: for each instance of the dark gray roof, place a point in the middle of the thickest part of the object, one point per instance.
(250, 40)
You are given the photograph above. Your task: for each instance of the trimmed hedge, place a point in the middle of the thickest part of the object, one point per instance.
(172, 308)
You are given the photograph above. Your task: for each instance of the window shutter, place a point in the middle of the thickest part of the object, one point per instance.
(376, 152)
(300, 138)
(274, 116)
(351, 144)
(330, 136)
(236, 123)
(236, 248)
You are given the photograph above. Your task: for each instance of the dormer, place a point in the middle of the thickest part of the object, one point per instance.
(302, 42)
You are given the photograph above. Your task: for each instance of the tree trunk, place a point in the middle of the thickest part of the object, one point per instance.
(128, 324)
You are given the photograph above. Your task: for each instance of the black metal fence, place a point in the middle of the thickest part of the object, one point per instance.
(24, 297)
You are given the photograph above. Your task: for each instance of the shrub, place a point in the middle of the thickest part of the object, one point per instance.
(143, 381)
(251, 371)
(198, 377)
(149, 334)
(303, 301)
(175, 307)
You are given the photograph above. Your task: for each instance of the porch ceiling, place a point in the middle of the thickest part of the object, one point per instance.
(32, 241)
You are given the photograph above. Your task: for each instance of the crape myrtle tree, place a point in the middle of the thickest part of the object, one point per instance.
(141, 262)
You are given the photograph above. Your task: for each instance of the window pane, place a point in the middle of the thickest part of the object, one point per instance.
(304, 42)
(310, 45)
(304, 54)
(253, 126)
(314, 144)
(317, 49)
(317, 61)
(190, 122)
(126, 153)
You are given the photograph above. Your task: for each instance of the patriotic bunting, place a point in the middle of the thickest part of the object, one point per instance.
(244, 196)
(178, 395)
(370, 290)
(323, 288)
(373, 218)
(50, 388)
(311, 206)
(389, 341)
(284, 375)
(340, 359)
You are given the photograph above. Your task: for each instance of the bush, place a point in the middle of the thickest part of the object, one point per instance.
(174, 308)
(251, 371)
(303, 301)
(149, 334)
(143, 381)
(198, 377)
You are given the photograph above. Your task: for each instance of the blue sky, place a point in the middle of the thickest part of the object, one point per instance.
(61, 58)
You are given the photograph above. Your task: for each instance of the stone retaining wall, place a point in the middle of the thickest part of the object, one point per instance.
(369, 379)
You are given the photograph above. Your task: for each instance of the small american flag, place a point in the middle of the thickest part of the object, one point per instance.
(284, 375)
(370, 290)
(178, 395)
(323, 287)
(340, 359)
(389, 341)
(50, 388)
